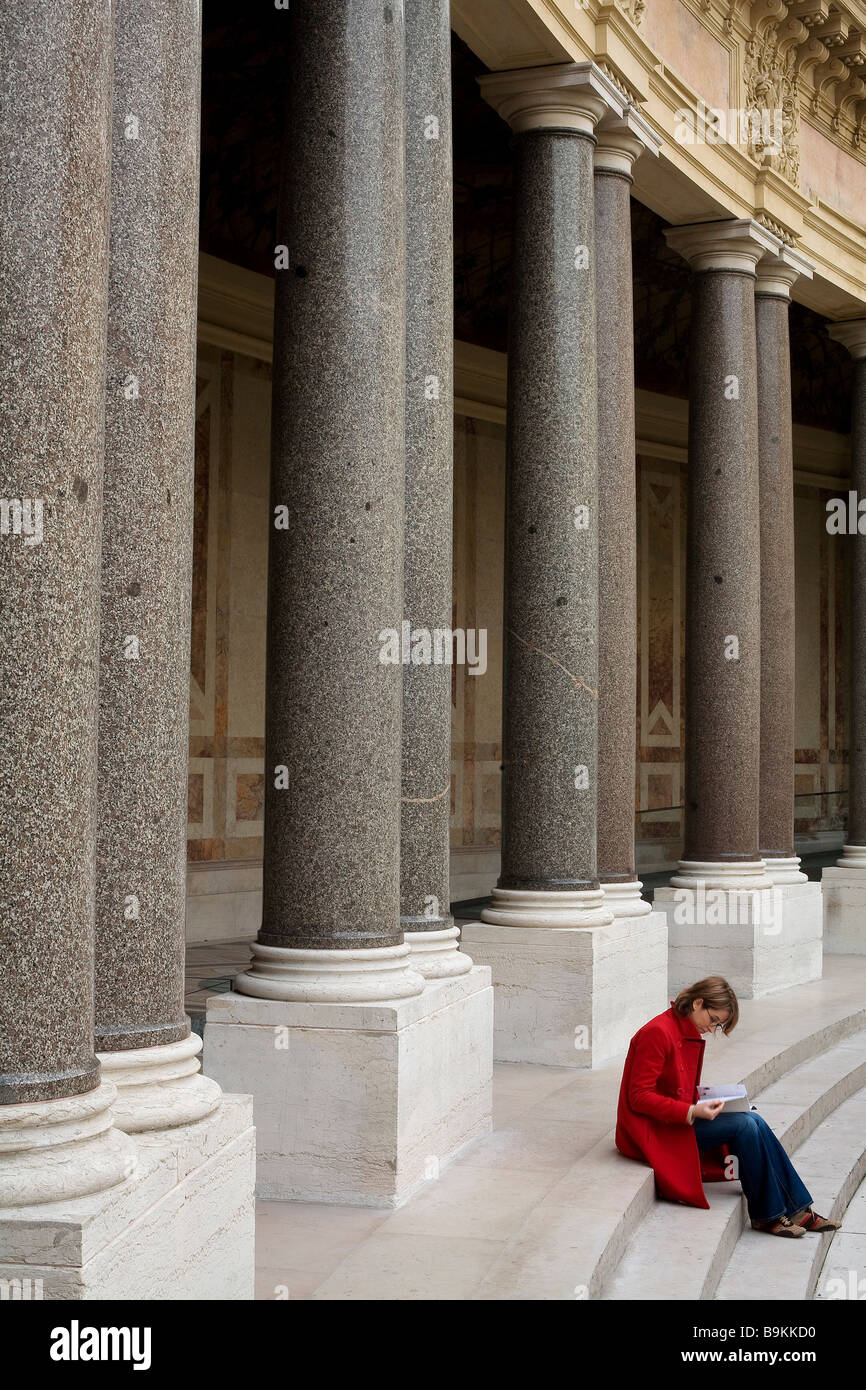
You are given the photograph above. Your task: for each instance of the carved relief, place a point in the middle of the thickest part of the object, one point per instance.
(771, 92)
(807, 56)
(634, 9)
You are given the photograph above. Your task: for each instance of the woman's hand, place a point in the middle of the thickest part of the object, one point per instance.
(707, 1109)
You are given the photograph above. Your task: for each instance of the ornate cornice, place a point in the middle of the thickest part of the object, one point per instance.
(809, 59)
(804, 59)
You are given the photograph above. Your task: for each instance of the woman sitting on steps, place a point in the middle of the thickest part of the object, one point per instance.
(686, 1141)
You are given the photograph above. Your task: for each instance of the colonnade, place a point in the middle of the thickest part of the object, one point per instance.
(364, 1026)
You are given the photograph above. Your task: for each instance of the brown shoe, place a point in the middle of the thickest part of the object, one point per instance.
(783, 1226)
(809, 1220)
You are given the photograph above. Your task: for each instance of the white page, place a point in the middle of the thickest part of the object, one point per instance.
(730, 1092)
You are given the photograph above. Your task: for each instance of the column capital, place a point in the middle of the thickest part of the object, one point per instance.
(621, 140)
(737, 244)
(777, 271)
(563, 96)
(852, 335)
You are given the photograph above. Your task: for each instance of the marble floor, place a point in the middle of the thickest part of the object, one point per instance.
(446, 1238)
(210, 967)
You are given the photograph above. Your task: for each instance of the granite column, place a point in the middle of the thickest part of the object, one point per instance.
(426, 784)
(364, 1072)
(723, 581)
(844, 885)
(778, 625)
(722, 905)
(550, 712)
(56, 1135)
(142, 1033)
(617, 149)
(549, 934)
(331, 910)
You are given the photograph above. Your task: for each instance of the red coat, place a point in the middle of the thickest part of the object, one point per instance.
(659, 1083)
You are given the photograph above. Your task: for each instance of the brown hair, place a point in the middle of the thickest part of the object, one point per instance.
(716, 994)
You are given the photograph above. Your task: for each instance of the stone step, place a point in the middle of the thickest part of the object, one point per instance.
(683, 1252)
(571, 1243)
(832, 1164)
(844, 1273)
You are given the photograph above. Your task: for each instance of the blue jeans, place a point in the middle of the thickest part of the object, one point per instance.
(768, 1177)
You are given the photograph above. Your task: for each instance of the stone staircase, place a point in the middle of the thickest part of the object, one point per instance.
(832, 1162)
(818, 1110)
(599, 1232)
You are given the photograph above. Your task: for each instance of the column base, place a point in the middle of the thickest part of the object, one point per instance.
(180, 1227)
(358, 1103)
(785, 870)
(624, 899)
(572, 997)
(436, 954)
(159, 1087)
(844, 889)
(523, 907)
(330, 977)
(748, 874)
(54, 1150)
(760, 940)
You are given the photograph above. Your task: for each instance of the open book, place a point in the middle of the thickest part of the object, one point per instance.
(735, 1097)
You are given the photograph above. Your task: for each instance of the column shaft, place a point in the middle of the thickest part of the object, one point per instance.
(426, 781)
(723, 575)
(54, 142)
(142, 1032)
(617, 522)
(722, 882)
(549, 934)
(856, 834)
(723, 589)
(57, 1140)
(778, 626)
(148, 524)
(335, 566)
(551, 598)
(844, 885)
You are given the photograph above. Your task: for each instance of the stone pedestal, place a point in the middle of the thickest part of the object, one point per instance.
(844, 890)
(179, 1226)
(358, 1103)
(572, 996)
(760, 939)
